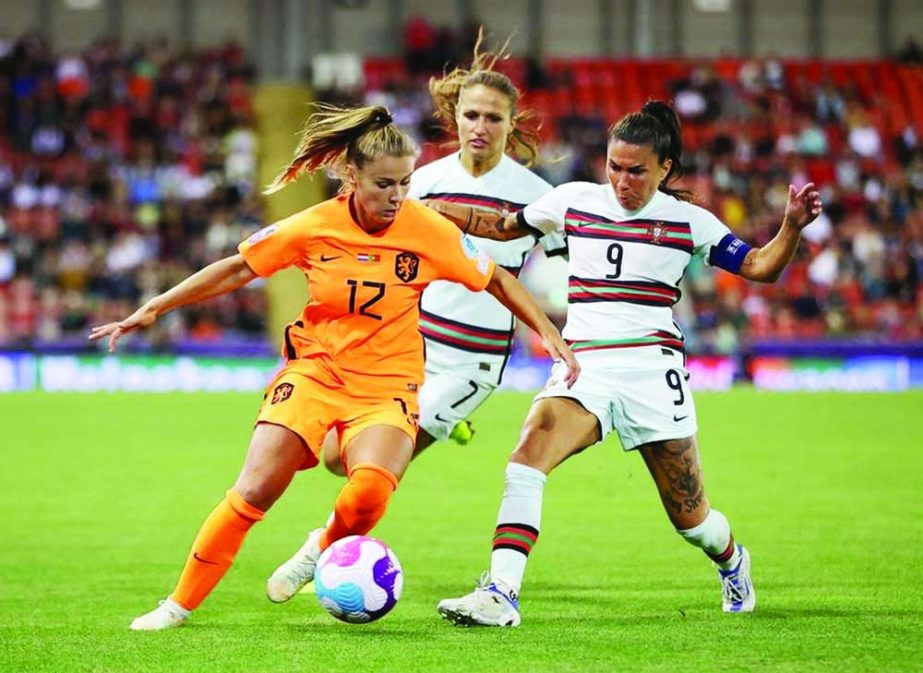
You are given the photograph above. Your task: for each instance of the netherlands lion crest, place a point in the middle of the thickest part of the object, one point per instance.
(406, 266)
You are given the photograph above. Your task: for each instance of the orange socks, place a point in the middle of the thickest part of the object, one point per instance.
(361, 503)
(214, 549)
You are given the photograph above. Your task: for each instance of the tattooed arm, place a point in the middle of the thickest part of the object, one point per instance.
(481, 223)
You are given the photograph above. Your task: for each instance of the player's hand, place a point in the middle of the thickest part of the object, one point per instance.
(804, 206)
(142, 318)
(560, 351)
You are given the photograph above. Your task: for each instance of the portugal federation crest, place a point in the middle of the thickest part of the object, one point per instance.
(406, 266)
(656, 230)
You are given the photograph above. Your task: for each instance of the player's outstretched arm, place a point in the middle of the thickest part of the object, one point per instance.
(221, 277)
(478, 222)
(766, 264)
(512, 294)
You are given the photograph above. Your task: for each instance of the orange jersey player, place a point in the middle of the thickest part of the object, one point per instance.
(354, 359)
(359, 336)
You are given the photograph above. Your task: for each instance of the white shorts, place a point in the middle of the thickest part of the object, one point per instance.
(447, 399)
(645, 398)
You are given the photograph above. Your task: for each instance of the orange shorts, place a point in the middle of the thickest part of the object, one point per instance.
(309, 399)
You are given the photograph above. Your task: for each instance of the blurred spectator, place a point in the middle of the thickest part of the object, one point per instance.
(864, 139)
(419, 45)
(910, 52)
(811, 140)
(829, 104)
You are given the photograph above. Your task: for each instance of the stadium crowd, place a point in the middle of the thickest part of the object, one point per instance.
(749, 126)
(123, 170)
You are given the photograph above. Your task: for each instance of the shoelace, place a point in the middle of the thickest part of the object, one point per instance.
(303, 566)
(484, 581)
(731, 588)
(487, 590)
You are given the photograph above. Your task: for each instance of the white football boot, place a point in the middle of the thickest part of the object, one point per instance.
(492, 603)
(737, 592)
(167, 615)
(291, 576)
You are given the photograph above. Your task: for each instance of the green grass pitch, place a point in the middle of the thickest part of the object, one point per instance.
(101, 495)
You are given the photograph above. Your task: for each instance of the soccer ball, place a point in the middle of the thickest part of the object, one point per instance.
(358, 579)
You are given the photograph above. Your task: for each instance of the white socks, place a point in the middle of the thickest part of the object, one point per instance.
(517, 524)
(713, 536)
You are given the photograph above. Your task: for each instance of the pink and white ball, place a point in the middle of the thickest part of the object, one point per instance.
(358, 579)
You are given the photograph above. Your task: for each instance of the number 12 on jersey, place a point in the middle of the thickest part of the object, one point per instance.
(354, 285)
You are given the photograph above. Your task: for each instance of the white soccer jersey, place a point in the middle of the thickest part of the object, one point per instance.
(624, 267)
(466, 331)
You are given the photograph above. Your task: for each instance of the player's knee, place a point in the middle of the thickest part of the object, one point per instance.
(712, 533)
(259, 494)
(544, 443)
(373, 488)
(531, 449)
(243, 508)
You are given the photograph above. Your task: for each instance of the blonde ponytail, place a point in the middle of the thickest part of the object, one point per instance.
(334, 136)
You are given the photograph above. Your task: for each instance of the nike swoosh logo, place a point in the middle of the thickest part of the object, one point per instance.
(441, 419)
(679, 418)
(198, 558)
(324, 258)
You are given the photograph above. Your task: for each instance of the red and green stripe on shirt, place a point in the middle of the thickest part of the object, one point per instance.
(463, 336)
(676, 235)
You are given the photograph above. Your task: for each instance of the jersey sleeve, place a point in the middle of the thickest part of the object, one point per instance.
(554, 244)
(546, 215)
(459, 259)
(277, 246)
(715, 243)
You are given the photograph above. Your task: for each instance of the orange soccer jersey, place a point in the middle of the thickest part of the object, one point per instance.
(358, 337)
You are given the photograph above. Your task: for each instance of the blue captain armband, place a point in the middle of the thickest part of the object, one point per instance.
(729, 254)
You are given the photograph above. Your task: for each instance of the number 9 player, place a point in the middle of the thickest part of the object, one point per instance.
(630, 241)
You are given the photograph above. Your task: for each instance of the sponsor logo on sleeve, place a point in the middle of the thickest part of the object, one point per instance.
(263, 233)
(470, 248)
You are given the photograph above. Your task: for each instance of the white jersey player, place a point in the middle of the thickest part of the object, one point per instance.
(629, 242)
(468, 335)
